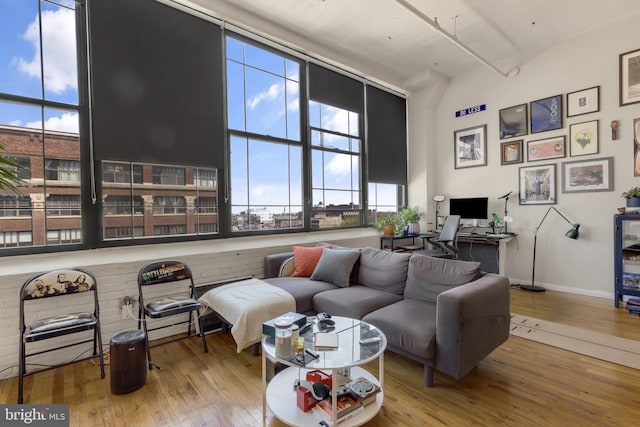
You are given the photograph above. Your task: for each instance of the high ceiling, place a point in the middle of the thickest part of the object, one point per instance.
(385, 40)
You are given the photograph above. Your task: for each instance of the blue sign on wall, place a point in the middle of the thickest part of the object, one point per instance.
(471, 110)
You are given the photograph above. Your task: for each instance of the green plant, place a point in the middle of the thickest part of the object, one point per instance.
(9, 179)
(385, 221)
(410, 214)
(633, 192)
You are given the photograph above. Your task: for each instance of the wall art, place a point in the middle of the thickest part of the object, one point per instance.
(583, 138)
(513, 121)
(538, 185)
(511, 152)
(629, 77)
(636, 147)
(470, 147)
(546, 114)
(587, 175)
(548, 148)
(583, 101)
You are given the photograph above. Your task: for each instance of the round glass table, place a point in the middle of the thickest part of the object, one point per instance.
(358, 343)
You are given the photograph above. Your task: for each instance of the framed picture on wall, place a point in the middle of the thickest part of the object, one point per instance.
(538, 185)
(583, 101)
(636, 147)
(582, 176)
(546, 114)
(470, 147)
(629, 79)
(511, 152)
(548, 148)
(583, 138)
(513, 121)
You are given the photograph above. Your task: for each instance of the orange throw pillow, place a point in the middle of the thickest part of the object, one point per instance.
(306, 259)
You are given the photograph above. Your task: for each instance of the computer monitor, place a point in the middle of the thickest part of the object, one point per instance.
(470, 207)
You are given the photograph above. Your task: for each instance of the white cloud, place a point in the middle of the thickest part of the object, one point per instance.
(340, 165)
(59, 41)
(67, 122)
(275, 91)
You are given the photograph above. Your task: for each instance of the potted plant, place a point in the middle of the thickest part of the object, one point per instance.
(633, 197)
(386, 224)
(411, 216)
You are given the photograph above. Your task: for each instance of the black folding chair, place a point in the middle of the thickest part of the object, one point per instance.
(169, 284)
(35, 299)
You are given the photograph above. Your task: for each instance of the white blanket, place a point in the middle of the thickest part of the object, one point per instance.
(246, 305)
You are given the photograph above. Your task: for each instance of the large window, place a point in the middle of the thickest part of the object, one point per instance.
(263, 109)
(335, 166)
(39, 121)
(284, 142)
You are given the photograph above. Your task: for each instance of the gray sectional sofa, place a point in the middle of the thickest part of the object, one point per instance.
(444, 313)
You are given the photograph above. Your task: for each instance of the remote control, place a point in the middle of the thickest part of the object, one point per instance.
(370, 340)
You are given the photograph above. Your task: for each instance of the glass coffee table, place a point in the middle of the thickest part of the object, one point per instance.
(279, 393)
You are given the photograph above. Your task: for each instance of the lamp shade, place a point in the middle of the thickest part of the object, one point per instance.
(573, 233)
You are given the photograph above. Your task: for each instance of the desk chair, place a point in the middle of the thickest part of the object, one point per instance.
(170, 285)
(79, 289)
(445, 243)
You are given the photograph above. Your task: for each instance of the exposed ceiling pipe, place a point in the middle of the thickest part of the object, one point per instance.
(453, 39)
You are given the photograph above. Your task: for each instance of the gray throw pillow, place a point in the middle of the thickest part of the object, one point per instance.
(335, 266)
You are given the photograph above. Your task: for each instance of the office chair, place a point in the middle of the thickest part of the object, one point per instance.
(79, 288)
(170, 285)
(445, 243)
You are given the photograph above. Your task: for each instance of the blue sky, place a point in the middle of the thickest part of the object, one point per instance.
(20, 62)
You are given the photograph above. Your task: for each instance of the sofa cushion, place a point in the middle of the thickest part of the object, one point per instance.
(409, 325)
(306, 259)
(302, 289)
(354, 301)
(383, 270)
(428, 277)
(335, 266)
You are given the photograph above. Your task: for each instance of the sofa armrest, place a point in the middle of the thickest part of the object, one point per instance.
(472, 320)
(273, 262)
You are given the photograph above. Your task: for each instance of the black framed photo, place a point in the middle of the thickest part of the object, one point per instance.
(470, 147)
(629, 77)
(583, 101)
(513, 121)
(546, 114)
(584, 138)
(538, 185)
(548, 148)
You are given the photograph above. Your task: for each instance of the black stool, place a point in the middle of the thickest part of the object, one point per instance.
(128, 361)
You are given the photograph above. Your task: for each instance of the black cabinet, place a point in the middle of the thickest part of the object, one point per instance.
(626, 255)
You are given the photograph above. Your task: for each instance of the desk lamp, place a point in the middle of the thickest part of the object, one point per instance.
(438, 198)
(573, 233)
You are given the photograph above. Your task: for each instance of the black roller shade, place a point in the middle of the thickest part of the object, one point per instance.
(386, 137)
(335, 89)
(157, 93)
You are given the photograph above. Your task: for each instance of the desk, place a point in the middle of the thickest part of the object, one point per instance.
(392, 240)
(485, 250)
(482, 248)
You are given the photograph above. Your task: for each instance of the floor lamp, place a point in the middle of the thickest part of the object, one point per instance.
(573, 233)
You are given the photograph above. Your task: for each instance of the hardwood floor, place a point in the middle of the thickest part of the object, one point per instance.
(522, 383)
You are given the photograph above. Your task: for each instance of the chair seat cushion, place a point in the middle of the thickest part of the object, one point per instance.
(171, 306)
(63, 323)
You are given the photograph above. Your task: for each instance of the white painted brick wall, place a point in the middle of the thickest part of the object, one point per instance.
(116, 272)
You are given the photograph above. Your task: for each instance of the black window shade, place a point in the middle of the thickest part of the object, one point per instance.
(386, 137)
(157, 92)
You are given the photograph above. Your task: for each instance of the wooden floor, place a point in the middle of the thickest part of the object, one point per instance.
(522, 383)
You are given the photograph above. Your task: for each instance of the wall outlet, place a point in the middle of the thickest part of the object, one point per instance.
(126, 306)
